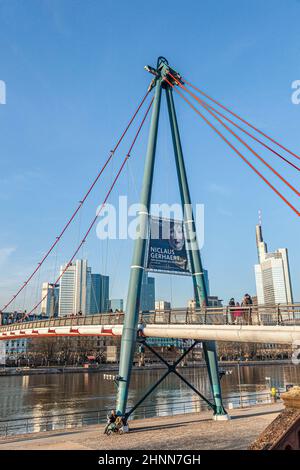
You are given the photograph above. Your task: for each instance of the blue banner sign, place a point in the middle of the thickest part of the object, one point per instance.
(166, 247)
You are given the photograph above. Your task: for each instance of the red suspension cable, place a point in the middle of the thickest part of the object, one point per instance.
(58, 238)
(235, 149)
(243, 120)
(252, 136)
(99, 210)
(237, 137)
(205, 103)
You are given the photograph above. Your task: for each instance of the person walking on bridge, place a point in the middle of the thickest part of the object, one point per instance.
(238, 314)
(247, 302)
(231, 310)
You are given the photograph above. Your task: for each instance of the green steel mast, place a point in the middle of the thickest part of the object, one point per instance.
(130, 328)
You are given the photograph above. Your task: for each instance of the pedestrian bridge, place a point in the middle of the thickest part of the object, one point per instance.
(265, 324)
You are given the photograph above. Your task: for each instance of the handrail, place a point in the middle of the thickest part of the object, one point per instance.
(8, 426)
(279, 314)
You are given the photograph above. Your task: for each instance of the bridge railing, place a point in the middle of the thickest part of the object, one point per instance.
(47, 422)
(284, 315)
(246, 315)
(97, 319)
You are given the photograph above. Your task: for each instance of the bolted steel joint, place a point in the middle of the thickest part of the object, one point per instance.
(162, 71)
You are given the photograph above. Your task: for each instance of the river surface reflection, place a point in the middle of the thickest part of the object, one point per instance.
(37, 395)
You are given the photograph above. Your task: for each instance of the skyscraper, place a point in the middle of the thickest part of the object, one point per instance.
(75, 289)
(272, 274)
(147, 301)
(99, 294)
(50, 296)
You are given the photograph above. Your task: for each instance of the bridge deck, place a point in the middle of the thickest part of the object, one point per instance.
(277, 324)
(252, 315)
(189, 431)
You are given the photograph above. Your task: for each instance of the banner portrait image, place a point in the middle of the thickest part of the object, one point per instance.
(166, 247)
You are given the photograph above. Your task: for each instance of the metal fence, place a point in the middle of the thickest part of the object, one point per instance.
(249, 315)
(284, 315)
(80, 419)
(98, 319)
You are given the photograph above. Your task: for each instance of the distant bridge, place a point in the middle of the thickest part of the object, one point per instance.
(264, 324)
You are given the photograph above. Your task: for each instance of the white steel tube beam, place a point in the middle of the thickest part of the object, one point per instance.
(238, 333)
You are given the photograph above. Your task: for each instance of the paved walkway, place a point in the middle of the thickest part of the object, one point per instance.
(195, 431)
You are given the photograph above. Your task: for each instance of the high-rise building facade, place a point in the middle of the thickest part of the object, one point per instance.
(99, 294)
(50, 298)
(105, 293)
(75, 289)
(272, 274)
(147, 301)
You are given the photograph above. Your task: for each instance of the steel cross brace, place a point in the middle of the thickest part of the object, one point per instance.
(171, 368)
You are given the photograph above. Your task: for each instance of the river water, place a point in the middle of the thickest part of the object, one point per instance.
(39, 395)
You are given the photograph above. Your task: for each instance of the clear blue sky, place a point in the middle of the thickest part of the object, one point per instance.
(74, 73)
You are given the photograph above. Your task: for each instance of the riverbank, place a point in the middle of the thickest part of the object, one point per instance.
(112, 368)
(193, 431)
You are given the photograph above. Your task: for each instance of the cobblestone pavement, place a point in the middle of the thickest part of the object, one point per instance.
(192, 431)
